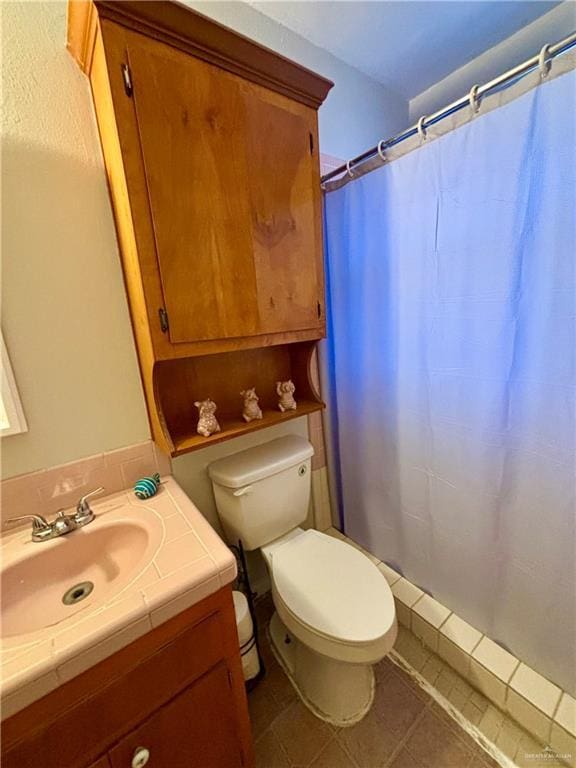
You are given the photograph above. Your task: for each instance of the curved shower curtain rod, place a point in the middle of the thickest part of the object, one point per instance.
(541, 60)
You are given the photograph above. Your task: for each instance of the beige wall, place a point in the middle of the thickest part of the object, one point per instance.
(64, 311)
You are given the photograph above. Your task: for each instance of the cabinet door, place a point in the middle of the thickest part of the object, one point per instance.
(284, 194)
(230, 178)
(191, 126)
(197, 729)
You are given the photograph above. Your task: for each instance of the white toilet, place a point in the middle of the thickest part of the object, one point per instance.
(335, 614)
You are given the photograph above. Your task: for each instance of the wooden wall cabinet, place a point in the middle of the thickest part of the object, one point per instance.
(177, 692)
(211, 149)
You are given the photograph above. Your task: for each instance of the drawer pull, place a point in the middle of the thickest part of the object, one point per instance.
(141, 757)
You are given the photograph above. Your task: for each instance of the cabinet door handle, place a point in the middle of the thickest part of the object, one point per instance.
(140, 757)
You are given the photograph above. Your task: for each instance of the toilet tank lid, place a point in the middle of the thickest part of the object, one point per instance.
(260, 462)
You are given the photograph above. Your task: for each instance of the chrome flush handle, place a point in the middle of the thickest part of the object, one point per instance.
(242, 491)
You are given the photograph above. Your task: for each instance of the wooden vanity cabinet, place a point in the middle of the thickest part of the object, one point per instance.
(194, 729)
(210, 144)
(177, 692)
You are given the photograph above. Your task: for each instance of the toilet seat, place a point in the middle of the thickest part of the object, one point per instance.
(333, 597)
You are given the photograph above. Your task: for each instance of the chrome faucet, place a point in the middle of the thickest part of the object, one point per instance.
(42, 530)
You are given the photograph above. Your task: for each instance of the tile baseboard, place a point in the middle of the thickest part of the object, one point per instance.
(440, 639)
(510, 743)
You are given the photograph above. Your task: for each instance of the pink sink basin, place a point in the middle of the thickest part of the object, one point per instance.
(90, 565)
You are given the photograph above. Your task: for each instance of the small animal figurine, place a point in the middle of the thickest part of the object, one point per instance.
(285, 391)
(251, 409)
(147, 486)
(207, 423)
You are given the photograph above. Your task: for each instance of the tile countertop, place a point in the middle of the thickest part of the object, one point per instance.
(189, 563)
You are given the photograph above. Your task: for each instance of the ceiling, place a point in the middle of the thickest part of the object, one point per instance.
(406, 45)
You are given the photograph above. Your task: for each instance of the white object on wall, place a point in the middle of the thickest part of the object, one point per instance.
(12, 419)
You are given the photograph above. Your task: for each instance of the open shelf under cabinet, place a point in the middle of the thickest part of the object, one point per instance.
(236, 427)
(180, 383)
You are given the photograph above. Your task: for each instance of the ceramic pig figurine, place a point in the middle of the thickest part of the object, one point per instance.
(285, 391)
(251, 408)
(207, 423)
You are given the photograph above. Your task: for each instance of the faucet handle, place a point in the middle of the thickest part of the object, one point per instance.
(84, 514)
(39, 523)
(83, 505)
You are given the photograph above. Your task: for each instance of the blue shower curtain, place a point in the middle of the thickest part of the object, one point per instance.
(451, 357)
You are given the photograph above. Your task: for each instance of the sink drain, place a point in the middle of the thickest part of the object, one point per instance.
(77, 593)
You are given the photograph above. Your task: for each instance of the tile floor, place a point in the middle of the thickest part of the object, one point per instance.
(404, 729)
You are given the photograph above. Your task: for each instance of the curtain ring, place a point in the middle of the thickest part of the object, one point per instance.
(473, 98)
(381, 150)
(421, 129)
(544, 60)
(349, 169)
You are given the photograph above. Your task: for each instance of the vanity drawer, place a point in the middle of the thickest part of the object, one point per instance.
(69, 730)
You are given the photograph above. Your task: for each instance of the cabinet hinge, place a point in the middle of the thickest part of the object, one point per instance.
(229, 677)
(311, 143)
(163, 320)
(127, 78)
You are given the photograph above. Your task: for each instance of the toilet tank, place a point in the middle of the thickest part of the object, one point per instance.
(263, 492)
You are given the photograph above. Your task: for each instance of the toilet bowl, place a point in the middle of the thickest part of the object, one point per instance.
(335, 618)
(335, 615)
